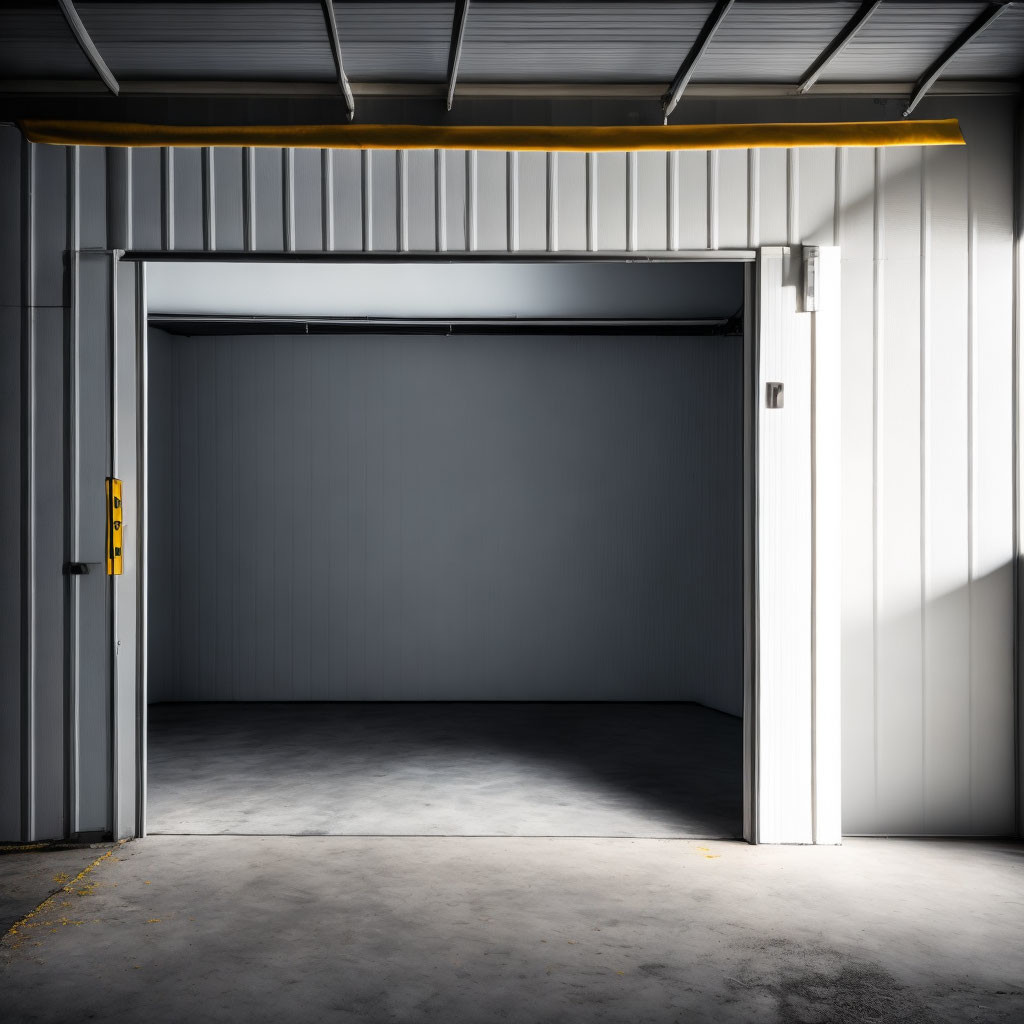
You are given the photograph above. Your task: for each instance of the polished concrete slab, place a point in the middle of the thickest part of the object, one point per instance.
(528, 931)
(462, 769)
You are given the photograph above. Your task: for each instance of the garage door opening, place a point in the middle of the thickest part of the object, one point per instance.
(477, 578)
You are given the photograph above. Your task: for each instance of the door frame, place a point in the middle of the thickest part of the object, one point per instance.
(792, 506)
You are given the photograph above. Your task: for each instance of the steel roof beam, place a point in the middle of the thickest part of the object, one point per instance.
(460, 16)
(699, 48)
(81, 34)
(841, 41)
(332, 32)
(976, 27)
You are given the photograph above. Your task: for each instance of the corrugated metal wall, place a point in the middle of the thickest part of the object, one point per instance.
(446, 518)
(927, 238)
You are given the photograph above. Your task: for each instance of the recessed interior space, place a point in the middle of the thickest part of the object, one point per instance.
(481, 577)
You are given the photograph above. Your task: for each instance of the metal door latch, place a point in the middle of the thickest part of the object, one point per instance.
(774, 397)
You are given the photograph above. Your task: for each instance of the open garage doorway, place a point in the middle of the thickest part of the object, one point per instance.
(465, 578)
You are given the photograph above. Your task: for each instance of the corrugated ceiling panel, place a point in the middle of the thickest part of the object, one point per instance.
(771, 42)
(37, 43)
(405, 42)
(997, 53)
(212, 40)
(900, 41)
(570, 42)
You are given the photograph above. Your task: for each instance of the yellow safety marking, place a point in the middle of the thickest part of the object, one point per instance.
(523, 138)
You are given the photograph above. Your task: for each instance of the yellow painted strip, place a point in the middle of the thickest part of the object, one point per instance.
(67, 888)
(544, 138)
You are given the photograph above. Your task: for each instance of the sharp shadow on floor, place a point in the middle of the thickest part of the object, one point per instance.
(412, 768)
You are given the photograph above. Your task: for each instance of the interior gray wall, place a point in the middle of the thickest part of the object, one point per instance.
(446, 518)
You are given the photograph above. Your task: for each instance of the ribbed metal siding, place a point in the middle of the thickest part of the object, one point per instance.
(490, 518)
(900, 41)
(927, 240)
(556, 42)
(212, 40)
(997, 53)
(37, 43)
(771, 42)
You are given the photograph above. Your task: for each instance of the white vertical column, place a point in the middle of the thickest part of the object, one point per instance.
(783, 616)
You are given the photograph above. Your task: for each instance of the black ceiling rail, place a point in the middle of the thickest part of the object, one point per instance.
(699, 48)
(332, 32)
(841, 41)
(460, 16)
(976, 27)
(81, 34)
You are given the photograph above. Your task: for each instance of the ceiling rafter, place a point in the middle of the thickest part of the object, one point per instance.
(332, 32)
(976, 27)
(460, 16)
(81, 34)
(841, 41)
(699, 48)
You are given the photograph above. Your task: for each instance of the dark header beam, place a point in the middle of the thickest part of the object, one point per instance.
(976, 27)
(332, 32)
(841, 41)
(699, 48)
(81, 34)
(460, 16)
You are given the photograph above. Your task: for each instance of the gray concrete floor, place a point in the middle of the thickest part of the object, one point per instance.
(525, 769)
(31, 872)
(222, 928)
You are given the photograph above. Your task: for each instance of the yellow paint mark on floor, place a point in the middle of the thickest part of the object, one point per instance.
(29, 920)
(153, 920)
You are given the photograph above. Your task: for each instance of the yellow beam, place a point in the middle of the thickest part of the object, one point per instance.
(542, 138)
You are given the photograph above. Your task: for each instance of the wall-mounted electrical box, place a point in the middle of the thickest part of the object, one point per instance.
(115, 528)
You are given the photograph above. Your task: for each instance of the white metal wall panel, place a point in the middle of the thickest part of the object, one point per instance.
(855, 236)
(990, 375)
(926, 243)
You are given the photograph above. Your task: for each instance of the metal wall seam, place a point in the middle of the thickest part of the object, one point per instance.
(142, 534)
(471, 199)
(837, 208)
(288, 196)
(366, 171)
(672, 199)
(512, 200)
(72, 489)
(754, 198)
(878, 340)
(632, 232)
(209, 200)
(440, 201)
(167, 195)
(249, 198)
(591, 202)
(326, 200)
(28, 567)
(1018, 450)
(552, 205)
(712, 160)
(402, 198)
(924, 339)
(972, 373)
(792, 197)
(112, 590)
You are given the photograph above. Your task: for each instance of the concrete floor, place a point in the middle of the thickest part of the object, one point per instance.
(220, 928)
(460, 769)
(29, 873)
